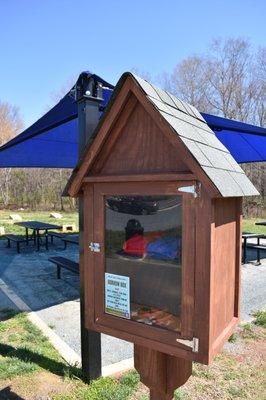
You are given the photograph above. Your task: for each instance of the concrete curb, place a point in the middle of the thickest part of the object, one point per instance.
(68, 354)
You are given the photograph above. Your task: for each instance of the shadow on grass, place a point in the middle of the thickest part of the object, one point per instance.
(28, 356)
(7, 394)
(7, 313)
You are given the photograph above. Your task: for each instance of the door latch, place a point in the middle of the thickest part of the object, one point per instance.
(193, 189)
(95, 247)
(193, 344)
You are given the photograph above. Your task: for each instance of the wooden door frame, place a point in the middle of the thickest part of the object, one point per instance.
(119, 327)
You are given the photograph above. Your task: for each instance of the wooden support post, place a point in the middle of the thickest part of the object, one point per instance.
(160, 372)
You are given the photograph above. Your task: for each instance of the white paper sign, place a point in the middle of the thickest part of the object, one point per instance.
(117, 295)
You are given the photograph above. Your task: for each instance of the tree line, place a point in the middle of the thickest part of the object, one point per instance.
(227, 80)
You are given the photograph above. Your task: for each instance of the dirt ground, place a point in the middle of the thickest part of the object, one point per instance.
(237, 373)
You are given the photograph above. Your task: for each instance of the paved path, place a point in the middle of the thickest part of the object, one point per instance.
(56, 302)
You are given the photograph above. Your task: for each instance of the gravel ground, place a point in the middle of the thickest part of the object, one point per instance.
(33, 278)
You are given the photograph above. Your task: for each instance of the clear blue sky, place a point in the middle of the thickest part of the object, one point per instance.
(45, 42)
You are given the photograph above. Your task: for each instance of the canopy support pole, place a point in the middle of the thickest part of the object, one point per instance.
(88, 117)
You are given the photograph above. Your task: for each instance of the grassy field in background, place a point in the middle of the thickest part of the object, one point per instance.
(43, 216)
(249, 225)
(72, 217)
(30, 368)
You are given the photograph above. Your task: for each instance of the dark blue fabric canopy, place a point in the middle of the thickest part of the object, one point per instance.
(52, 141)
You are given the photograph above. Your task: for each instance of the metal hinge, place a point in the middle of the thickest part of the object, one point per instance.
(193, 189)
(95, 247)
(193, 344)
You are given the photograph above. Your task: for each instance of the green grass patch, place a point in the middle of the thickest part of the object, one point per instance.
(233, 338)
(24, 349)
(249, 225)
(25, 354)
(260, 318)
(43, 216)
(104, 389)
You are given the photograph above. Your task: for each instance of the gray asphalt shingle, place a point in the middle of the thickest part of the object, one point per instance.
(213, 157)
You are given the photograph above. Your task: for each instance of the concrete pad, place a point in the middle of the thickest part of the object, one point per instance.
(56, 302)
(5, 302)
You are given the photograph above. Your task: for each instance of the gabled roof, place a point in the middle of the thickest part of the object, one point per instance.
(191, 128)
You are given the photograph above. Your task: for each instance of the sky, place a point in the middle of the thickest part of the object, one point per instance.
(45, 44)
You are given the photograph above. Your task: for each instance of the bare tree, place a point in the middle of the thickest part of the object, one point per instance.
(229, 80)
(10, 124)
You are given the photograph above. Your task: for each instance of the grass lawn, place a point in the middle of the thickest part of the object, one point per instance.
(72, 217)
(43, 216)
(31, 369)
(249, 225)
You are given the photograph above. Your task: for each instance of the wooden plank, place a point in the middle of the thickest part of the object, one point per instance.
(217, 345)
(141, 148)
(120, 327)
(106, 125)
(176, 151)
(188, 266)
(115, 132)
(238, 256)
(223, 268)
(88, 256)
(90, 340)
(202, 272)
(164, 374)
(140, 178)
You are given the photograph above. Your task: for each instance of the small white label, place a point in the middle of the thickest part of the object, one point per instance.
(117, 295)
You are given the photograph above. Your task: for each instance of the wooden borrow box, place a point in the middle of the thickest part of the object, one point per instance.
(162, 225)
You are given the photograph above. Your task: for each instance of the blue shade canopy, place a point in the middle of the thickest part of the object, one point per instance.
(52, 141)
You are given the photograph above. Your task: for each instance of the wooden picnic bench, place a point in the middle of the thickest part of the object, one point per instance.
(16, 239)
(63, 262)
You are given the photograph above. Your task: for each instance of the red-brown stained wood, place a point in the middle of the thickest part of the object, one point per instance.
(140, 148)
(121, 325)
(137, 153)
(238, 255)
(188, 266)
(159, 177)
(162, 373)
(224, 268)
(203, 221)
(87, 259)
(171, 144)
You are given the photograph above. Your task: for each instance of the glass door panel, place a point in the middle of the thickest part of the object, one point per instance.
(143, 244)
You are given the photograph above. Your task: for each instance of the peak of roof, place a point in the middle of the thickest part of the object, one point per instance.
(213, 157)
(188, 124)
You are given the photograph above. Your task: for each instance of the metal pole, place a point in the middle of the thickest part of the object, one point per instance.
(88, 116)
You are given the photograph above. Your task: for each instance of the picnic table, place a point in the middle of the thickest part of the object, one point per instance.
(245, 237)
(36, 227)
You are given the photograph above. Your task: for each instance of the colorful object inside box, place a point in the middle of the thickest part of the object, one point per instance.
(165, 248)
